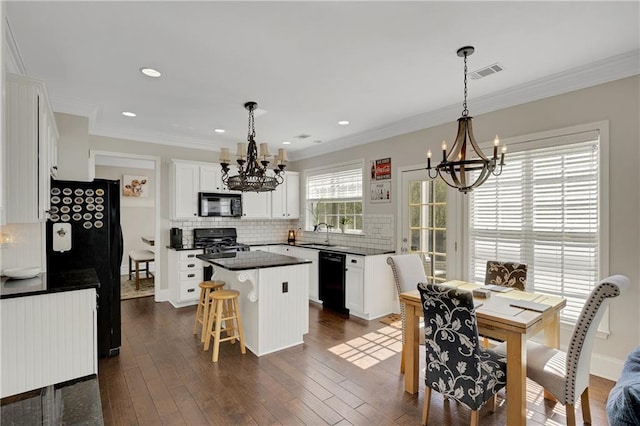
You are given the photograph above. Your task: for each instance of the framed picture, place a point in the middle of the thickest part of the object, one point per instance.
(135, 186)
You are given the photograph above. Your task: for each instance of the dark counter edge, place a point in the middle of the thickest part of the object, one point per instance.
(246, 268)
(357, 251)
(44, 288)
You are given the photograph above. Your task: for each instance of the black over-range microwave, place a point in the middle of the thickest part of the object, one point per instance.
(217, 204)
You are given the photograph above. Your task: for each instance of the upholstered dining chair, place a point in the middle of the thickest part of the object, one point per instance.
(506, 274)
(566, 374)
(456, 365)
(408, 271)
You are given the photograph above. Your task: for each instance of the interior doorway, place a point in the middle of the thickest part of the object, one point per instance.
(139, 177)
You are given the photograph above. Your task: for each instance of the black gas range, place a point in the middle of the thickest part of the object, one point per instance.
(218, 240)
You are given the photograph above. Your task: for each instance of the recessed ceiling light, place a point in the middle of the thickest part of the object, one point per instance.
(286, 143)
(343, 122)
(128, 114)
(150, 72)
(219, 130)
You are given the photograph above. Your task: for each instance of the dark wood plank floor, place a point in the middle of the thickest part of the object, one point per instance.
(346, 372)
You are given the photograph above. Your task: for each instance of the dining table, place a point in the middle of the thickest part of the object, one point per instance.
(512, 316)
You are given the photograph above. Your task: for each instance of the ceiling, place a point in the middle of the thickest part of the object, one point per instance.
(386, 67)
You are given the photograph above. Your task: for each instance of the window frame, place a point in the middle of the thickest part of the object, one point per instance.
(548, 139)
(322, 170)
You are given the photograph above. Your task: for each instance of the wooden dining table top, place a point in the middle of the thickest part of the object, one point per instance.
(498, 309)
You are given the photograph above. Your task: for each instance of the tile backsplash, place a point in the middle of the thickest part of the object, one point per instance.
(377, 233)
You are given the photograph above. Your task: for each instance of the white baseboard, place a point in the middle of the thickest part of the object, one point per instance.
(606, 366)
(161, 295)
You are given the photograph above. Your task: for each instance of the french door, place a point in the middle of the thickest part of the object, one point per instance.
(428, 224)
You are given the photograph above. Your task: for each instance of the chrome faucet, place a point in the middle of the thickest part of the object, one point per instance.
(326, 227)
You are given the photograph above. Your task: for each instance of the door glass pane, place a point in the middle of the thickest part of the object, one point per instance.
(427, 216)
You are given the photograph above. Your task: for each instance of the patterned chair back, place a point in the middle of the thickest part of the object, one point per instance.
(506, 274)
(457, 366)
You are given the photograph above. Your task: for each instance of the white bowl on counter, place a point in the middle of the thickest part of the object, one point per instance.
(21, 273)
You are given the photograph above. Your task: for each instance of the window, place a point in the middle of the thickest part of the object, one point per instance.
(334, 196)
(546, 210)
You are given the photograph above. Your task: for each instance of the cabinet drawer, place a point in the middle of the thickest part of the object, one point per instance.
(193, 274)
(189, 290)
(190, 265)
(188, 255)
(355, 261)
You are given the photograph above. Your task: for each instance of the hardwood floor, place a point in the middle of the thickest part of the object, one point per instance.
(346, 372)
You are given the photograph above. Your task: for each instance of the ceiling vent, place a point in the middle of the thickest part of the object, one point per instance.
(486, 71)
(302, 136)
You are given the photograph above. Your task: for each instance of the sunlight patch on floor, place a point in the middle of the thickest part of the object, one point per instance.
(368, 350)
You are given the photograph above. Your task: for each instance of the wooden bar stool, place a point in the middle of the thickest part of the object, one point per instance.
(225, 309)
(202, 313)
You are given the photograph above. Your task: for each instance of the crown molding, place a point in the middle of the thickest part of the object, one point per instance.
(15, 63)
(600, 72)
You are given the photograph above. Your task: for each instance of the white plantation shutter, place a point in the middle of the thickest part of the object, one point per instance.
(337, 185)
(543, 211)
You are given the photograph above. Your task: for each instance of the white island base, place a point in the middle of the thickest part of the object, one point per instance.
(274, 304)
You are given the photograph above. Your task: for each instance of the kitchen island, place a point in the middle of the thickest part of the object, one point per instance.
(274, 296)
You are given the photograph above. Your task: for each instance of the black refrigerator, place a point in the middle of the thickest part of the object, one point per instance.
(83, 232)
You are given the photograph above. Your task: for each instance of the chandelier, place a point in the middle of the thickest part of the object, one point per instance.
(459, 168)
(252, 169)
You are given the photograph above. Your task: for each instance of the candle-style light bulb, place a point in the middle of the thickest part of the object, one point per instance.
(496, 142)
(444, 151)
(429, 159)
(504, 149)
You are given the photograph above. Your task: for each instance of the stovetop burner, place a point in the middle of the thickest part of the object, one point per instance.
(217, 240)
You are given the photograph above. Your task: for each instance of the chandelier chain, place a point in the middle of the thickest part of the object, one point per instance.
(251, 132)
(465, 111)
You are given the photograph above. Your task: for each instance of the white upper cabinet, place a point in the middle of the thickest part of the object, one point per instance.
(256, 205)
(185, 181)
(190, 177)
(285, 200)
(31, 150)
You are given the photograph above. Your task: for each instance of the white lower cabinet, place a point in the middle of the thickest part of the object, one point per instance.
(184, 272)
(354, 285)
(47, 339)
(370, 290)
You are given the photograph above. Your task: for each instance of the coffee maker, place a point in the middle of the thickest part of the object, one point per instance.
(175, 239)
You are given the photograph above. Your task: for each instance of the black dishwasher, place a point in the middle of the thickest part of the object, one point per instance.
(331, 279)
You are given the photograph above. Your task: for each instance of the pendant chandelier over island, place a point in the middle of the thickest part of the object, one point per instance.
(253, 168)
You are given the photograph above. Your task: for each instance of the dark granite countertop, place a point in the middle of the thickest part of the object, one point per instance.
(49, 283)
(184, 247)
(243, 260)
(359, 251)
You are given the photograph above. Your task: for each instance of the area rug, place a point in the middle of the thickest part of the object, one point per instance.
(128, 288)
